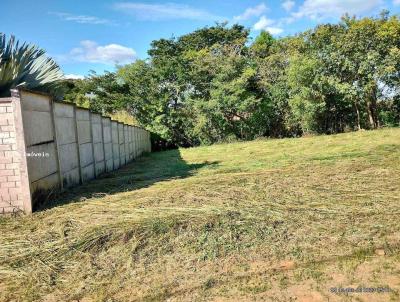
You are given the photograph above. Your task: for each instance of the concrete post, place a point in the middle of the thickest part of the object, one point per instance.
(77, 145)
(55, 143)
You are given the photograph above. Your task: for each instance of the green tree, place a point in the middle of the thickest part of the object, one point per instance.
(232, 107)
(351, 62)
(74, 92)
(174, 78)
(106, 93)
(273, 82)
(262, 44)
(213, 85)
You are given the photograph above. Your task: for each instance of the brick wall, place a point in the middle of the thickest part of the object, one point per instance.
(11, 197)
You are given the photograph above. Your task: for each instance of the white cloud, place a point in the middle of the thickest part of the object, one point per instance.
(288, 5)
(90, 51)
(83, 19)
(396, 2)
(263, 23)
(165, 11)
(252, 12)
(267, 24)
(274, 30)
(319, 9)
(74, 76)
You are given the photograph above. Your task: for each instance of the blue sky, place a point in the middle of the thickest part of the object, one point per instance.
(95, 35)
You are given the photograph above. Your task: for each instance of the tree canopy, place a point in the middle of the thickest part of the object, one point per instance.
(216, 84)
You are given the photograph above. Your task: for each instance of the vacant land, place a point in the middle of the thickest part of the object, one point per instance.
(268, 220)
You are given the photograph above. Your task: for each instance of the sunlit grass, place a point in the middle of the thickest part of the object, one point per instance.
(267, 219)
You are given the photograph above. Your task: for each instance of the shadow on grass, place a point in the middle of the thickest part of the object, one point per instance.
(143, 172)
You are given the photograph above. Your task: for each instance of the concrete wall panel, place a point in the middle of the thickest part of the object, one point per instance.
(68, 155)
(106, 130)
(40, 127)
(67, 141)
(97, 133)
(50, 182)
(99, 158)
(109, 165)
(97, 129)
(84, 135)
(71, 178)
(121, 140)
(135, 142)
(98, 145)
(65, 129)
(115, 144)
(126, 138)
(100, 168)
(82, 114)
(108, 152)
(42, 161)
(64, 110)
(139, 142)
(86, 154)
(98, 152)
(96, 118)
(130, 143)
(34, 102)
(88, 172)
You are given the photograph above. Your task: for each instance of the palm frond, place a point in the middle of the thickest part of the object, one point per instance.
(26, 66)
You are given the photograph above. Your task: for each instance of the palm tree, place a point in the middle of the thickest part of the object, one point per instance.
(26, 66)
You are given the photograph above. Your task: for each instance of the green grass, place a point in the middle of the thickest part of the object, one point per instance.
(270, 220)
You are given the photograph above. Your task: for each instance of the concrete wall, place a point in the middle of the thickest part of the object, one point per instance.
(98, 144)
(121, 139)
(115, 144)
(41, 146)
(136, 138)
(67, 139)
(85, 142)
(127, 143)
(131, 155)
(108, 147)
(50, 146)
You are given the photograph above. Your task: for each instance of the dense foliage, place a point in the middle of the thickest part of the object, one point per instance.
(25, 65)
(215, 85)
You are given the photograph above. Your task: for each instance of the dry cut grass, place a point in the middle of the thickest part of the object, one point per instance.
(268, 220)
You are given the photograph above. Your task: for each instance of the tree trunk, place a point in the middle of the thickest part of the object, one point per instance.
(358, 115)
(372, 107)
(374, 111)
(370, 116)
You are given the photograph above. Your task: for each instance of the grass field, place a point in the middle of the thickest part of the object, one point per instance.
(267, 220)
